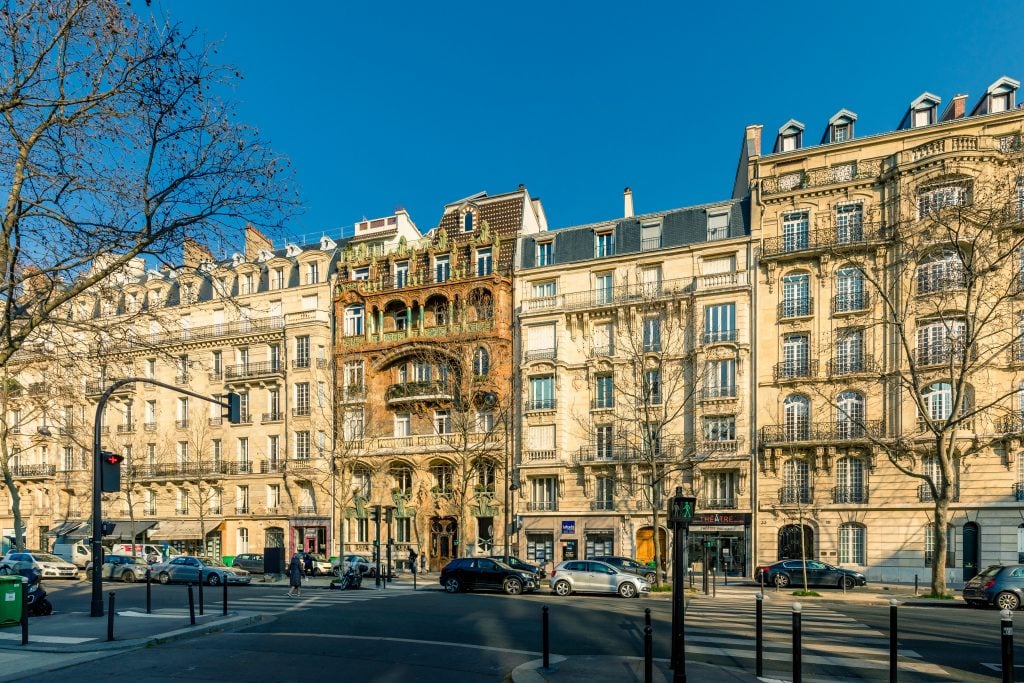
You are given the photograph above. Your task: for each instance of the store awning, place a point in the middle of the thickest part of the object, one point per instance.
(65, 528)
(122, 530)
(182, 530)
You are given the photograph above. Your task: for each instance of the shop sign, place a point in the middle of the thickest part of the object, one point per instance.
(568, 526)
(721, 519)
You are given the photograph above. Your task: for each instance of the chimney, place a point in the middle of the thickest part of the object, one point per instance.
(754, 140)
(254, 241)
(195, 254)
(956, 108)
(627, 200)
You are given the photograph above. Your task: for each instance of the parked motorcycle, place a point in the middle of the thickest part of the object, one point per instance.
(351, 579)
(36, 602)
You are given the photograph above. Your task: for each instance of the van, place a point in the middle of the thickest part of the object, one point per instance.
(147, 550)
(77, 553)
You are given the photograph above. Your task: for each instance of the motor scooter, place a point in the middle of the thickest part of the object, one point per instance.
(351, 579)
(36, 602)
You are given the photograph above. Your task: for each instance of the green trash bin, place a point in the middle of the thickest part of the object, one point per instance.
(10, 599)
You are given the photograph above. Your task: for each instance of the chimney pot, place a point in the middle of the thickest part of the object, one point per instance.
(627, 200)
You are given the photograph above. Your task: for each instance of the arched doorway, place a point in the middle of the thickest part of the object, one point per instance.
(444, 535)
(791, 542)
(972, 541)
(645, 545)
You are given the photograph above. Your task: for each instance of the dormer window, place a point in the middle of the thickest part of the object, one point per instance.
(841, 132)
(924, 117)
(467, 222)
(401, 273)
(840, 127)
(718, 226)
(923, 111)
(999, 97)
(998, 103)
(277, 279)
(604, 244)
(247, 284)
(545, 253)
(312, 273)
(650, 236)
(361, 273)
(791, 136)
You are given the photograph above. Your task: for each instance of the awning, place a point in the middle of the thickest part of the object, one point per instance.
(182, 531)
(122, 530)
(64, 529)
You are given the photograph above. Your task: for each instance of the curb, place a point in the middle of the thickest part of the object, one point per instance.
(232, 623)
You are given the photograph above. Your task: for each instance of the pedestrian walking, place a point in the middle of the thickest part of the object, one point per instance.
(295, 576)
(412, 560)
(308, 560)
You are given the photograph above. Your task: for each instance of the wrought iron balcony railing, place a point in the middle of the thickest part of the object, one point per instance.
(542, 506)
(839, 430)
(851, 235)
(408, 391)
(796, 308)
(805, 368)
(250, 370)
(796, 495)
(33, 471)
(715, 393)
(275, 416)
(850, 494)
(863, 364)
(851, 303)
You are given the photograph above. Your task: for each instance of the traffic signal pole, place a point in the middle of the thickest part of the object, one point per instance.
(232, 405)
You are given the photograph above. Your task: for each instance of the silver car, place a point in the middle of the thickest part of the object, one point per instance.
(187, 569)
(589, 576)
(50, 566)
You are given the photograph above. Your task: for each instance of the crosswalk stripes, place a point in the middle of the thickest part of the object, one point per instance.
(836, 647)
(282, 602)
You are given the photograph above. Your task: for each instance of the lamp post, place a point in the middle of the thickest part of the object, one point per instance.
(510, 488)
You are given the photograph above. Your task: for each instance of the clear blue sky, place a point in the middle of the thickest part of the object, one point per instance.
(382, 104)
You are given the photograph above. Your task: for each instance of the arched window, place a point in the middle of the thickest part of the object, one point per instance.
(938, 400)
(850, 481)
(849, 290)
(443, 475)
(797, 418)
(485, 475)
(796, 486)
(354, 320)
(796, 298)
(401, 479)
(851, 543)
(849, 415)
(933, 199)
(481, 362)
(467, 222)
(361, 482)
(941, 271)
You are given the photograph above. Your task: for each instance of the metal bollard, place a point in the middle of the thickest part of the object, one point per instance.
(225, 598)
(915, 585)
(110, 618)
(24, 612)
(545, 639)
(201, 601)
(1006, 629)
(648, 655)
(191, 606)
(149, 592)
(759, 636)
(892, 640)
(714, 582)
(797, 654)
(647, 616)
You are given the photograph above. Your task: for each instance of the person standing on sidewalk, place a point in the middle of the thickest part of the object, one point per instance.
(295, 576)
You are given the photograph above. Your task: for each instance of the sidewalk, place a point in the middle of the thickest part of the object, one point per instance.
(879, 593)
(621, 670)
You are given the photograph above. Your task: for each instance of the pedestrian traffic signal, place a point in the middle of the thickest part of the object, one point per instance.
(389, 513)
(110, 472)
(375, 514)
(234, 407)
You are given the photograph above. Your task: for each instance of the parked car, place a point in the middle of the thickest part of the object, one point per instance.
(49, 566)
(483, 573)
(124, 567)
(629, 565)
(791, 573)
(364, 564)
(516, 563)
(321, 565)
(591, 576)
(1001, 585)
(250, 562)
(187, 568)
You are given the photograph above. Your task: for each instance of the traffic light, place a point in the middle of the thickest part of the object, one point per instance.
(234, 407)
(388, 513)
(110, 471)
(375, 514)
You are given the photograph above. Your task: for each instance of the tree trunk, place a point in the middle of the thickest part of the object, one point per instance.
(939, 541)
(658, 560)
(19, 524)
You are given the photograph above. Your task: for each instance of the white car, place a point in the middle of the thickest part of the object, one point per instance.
(51, 566)
(590, 576)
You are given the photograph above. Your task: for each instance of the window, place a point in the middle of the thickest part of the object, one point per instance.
(604, 442)
(401, 273)
(243, 540)
(302, 445)
(442, 422)
(545, 290)
(650, 236)
(485, 422)
(603, 344)
(849, 290)
(941, 341)
(273, 403)
(359, 274)
(541, 439)
(652, 334)
(273, 496)
(277, 279)
(796, 299)
(604, 395)
(182, 507)
(795, 482)
(302, 405)
(720, 488)
(849, 481)
(604, 493)
(182, 453)
(652, 387)
(481, 362)
(942, 271)
(718, 226)
(422, 372)
(849, 223)
(243, 454)
(720, 381)
(720, 428)
(312, 273)
(604, 244)
(301, 351)
(540, 341)
(603, 288)
(443, 474)
(151, 368)
(923, 116)
(542, 393)
(789, 142)
(401, 479)
(795, 232)
(545, 253)
(467, 222)
(242, 499)
(840, 132)
(795, 356)
(442, 268)
(797, 416)
(362, 530)
(352, 425)
(938, 401)
(933, 199)
(403, 425)
(354, 320)
(851, 543)
(485, 475)
(1020, 199)
(929, 545)
(403, 529)
(484, 265)
(361, 482)
(543, 493)
(273, 452)
(850, 415)
(720, 323)
(849, 352)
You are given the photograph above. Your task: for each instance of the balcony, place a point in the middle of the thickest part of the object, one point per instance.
(605, 403)
(795, 370)
(302, 411)
(717, 393)
(244, 467)
(719, 446)
(863, 364)
(181, 424)
(619, 453)
(840, 430)
(1017, 351)
(415, 331)
(823, 240)
(418, 391)
(844, 495)
(181, 512)
(1018, 491)
(850, 303)
(536, 404)
(248, 371)
(796, 308)
(186, 470)
(33, 471)
(301, 364)
(276, 416)
(271, 466)
(216, 375)
(708, 283)
(215, 421)
(126, 428)
(943, 353)
(613, 296)
(170, 338)
(352, 394)
(242, 509)
(602, 350)
(717, 503)
(597, 505)
(541, 455)
(720, 336)
(245, 418)
(863, 169)
(182, 379)
(98, 387)
(149, 426)
(215, 510)
(540, 354)
(796, 495)
(924, 494)
(650, 243)
(542, 506)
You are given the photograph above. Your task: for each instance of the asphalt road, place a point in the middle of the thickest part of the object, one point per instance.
(432, 636)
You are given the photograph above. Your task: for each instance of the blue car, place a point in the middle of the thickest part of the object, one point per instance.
(1001, 585)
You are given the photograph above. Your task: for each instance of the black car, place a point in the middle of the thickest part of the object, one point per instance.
(516, 563)
(791, 573)
(483, 573)
(250, 562)
(628, 565)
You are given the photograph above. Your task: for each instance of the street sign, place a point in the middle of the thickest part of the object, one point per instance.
(681, 509)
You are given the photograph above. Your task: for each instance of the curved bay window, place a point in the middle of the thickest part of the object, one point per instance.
(943, 270)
